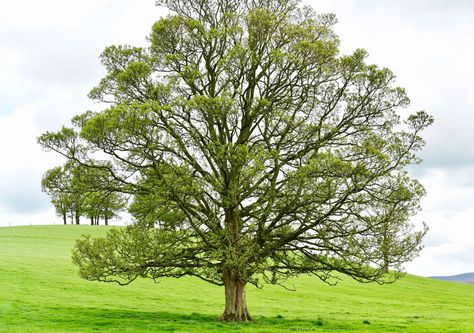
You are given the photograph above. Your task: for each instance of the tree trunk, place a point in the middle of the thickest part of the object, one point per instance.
(106, 221)
(385, 263)
(64, 218)
(78, 218)
(92, 221)
(235, 299)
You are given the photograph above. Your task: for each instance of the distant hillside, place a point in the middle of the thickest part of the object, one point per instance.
(464, 278)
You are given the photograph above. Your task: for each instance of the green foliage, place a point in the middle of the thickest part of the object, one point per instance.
(61, 185)
(104, 205)
(82, 191)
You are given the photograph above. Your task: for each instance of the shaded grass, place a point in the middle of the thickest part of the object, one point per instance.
(40, 291)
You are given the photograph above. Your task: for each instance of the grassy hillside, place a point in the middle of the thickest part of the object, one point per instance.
(40, 291)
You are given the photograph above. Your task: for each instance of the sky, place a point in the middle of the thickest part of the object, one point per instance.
(49, 53)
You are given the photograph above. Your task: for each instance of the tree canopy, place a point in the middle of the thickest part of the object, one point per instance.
(254, 152)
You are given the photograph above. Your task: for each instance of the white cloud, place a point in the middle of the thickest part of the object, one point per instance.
(447, 259)
(23, 163)
(449, 212)
(33, 15)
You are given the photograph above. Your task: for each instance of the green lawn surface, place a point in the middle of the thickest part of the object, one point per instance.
(40, 291)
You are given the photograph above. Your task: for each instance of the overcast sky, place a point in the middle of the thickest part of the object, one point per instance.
(49, 61)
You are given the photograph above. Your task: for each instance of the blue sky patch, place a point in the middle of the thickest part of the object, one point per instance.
(5, 109)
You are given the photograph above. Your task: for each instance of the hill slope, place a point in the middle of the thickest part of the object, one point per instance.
(40, 291)
(464, 278)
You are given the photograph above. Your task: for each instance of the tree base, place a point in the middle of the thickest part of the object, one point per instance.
(235, 299)
(236, 317)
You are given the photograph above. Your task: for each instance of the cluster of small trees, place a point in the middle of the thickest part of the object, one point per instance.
(77, 192)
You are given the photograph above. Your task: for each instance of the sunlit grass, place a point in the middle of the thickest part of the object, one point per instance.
(40, 291)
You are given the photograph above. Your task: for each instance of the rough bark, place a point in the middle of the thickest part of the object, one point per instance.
(235, 298)
(385, 263)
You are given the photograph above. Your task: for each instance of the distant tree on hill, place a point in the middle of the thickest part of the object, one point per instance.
(53, 183)
(77, 192)
(102, 205)
(65, 195)
(253, 150)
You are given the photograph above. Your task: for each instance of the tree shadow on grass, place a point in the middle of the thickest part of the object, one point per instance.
(130, 320)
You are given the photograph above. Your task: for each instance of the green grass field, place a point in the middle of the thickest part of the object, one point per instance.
(40, 291)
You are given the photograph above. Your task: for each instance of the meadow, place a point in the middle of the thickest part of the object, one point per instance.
(40, 291)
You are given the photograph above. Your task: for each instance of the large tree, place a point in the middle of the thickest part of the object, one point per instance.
(254, 151)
